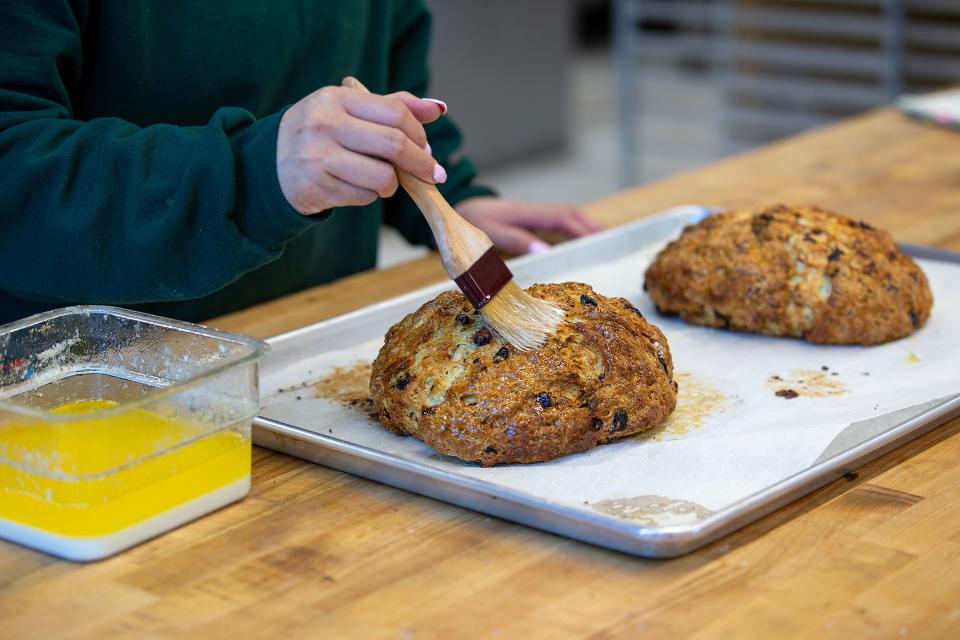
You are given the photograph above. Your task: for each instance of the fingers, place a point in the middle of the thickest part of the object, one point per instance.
(365, 172)
(571, 223)
(347, 194)
(391, 145)
(589, 221)
(564, 218)
(340, 147)
(512, 224)
(514, 239)
(323, 191)
(385, 110)
(424, 110)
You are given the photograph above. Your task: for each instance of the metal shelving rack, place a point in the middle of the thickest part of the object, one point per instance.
(785, 65)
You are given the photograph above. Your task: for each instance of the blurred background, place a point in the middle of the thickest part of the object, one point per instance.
(571, 100)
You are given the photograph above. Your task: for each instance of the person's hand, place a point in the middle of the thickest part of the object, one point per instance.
(338, 147)
(511, 223)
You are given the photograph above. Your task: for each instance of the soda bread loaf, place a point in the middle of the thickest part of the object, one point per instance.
(803, 272)
(443, 377)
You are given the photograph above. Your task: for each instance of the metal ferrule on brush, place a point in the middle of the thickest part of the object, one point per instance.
(484, 279)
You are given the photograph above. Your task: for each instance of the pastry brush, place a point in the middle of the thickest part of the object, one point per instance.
(469, 258)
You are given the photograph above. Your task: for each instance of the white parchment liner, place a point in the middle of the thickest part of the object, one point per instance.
(752, 440)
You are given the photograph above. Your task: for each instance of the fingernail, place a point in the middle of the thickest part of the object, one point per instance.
(439, 174)
(428, 148)
(439, 103)
(537, 246)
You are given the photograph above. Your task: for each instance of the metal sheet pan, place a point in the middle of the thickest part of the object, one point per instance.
(297, 359)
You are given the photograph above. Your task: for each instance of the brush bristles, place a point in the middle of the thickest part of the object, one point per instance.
(521, 319)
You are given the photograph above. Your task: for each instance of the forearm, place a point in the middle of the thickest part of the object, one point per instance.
(104, 211)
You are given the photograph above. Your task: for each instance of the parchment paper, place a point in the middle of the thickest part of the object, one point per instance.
(731, 436)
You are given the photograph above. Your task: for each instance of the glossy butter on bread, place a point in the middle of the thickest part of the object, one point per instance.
(803, 272)
(443, 377)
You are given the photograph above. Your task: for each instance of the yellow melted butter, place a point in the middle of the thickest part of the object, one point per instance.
(97, 476)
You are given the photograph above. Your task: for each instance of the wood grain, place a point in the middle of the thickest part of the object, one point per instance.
(317, 553)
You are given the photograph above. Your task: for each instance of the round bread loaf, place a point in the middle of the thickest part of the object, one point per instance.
(802, 272)
(441, 376)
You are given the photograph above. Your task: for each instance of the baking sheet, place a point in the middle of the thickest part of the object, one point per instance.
(733, 451)
(941, 107)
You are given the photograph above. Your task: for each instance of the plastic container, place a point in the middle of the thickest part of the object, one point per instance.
(116, 426)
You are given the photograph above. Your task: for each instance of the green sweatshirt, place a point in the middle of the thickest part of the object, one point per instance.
(138, 146)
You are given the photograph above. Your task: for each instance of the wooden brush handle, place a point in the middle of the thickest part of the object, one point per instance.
(460, 243)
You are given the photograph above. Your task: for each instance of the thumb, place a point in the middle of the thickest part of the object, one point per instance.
(515, 240)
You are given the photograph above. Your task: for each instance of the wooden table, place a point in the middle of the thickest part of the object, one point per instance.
(318, 553)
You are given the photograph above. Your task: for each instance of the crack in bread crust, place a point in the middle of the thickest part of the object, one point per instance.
(605, 374)
(803, 272)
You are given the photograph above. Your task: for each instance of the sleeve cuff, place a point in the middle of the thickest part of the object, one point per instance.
(263, 213)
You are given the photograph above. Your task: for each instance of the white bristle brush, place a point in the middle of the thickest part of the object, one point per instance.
(468, 255)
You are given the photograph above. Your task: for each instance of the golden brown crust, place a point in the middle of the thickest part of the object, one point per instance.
(605, 374)
(802, 272)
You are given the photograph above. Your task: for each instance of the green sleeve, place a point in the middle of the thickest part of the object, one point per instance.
(106, 211)
(408, 72)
